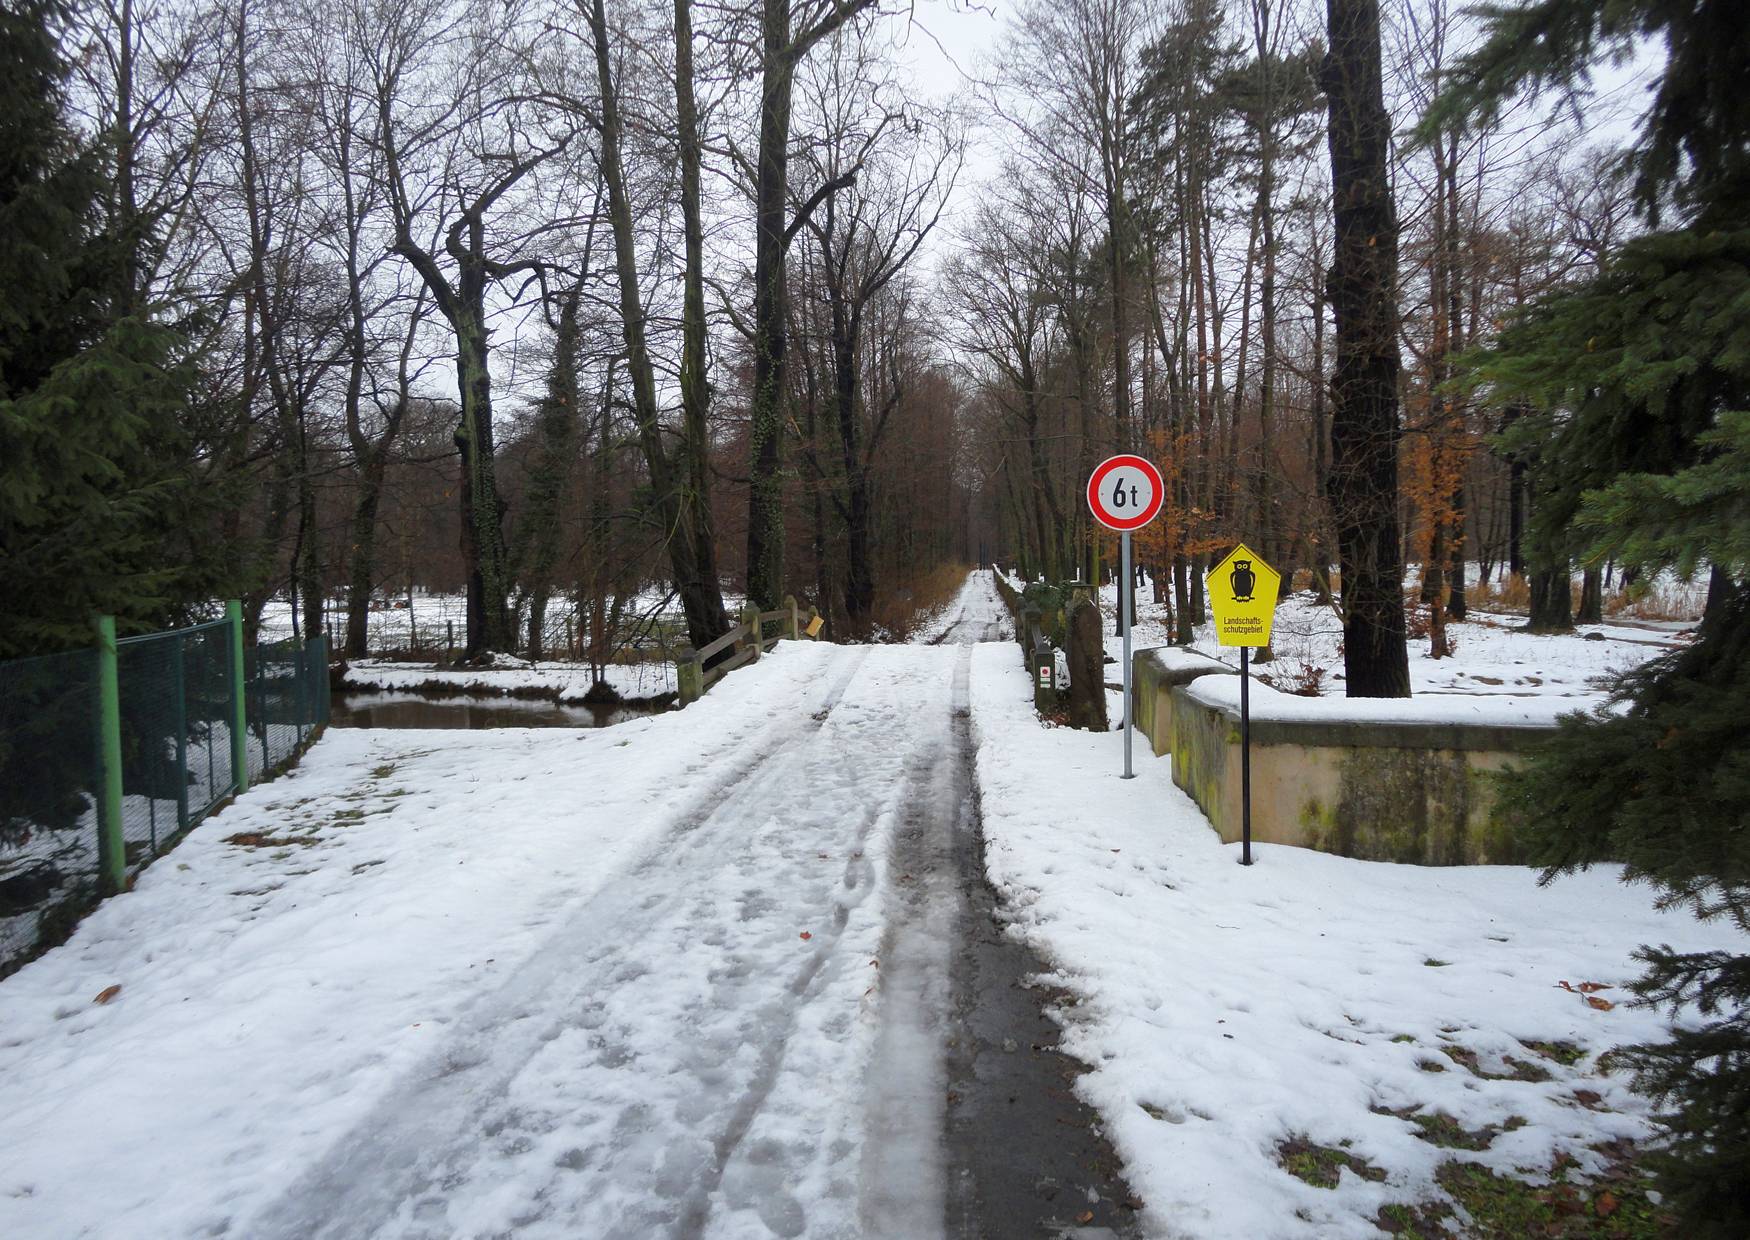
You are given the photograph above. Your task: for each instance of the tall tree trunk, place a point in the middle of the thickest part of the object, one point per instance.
(1591, 597)
(1516, 496)
(1552, 601)
(781, 49)
(765, 500)
(1457, 338)
(681, 516)
(556, 427)
(127, 215)
(1363, 292)
(361, 581)
(1456, 605)
(695, 536)
(1321, 549)
(597, 530)
(859, 574)
(482, 511)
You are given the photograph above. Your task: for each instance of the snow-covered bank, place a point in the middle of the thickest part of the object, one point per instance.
(1492, 654)
(562, 682)
(1224, 1011)
(426, 621)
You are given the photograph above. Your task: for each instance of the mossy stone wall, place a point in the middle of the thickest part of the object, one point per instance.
(1413, 792)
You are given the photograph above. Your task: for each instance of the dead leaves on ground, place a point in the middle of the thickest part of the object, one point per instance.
(1588, 992)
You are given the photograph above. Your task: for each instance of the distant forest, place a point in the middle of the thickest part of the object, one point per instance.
(549, 302)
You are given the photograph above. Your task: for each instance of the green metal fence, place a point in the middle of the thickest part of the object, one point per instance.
(109, 756)
(287, 700)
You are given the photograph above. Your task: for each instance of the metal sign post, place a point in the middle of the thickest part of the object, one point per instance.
(1245, 755)
(1242, 594)
(1125, 493)
(1124, 607)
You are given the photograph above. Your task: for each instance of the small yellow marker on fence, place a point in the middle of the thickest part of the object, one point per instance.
(1242, 594)
(814, 627)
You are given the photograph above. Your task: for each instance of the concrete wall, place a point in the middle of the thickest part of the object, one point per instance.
(1378, 788)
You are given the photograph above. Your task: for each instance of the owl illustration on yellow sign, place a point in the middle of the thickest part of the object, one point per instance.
(1242, 593)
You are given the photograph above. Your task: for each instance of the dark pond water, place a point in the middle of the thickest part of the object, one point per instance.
(405, 710)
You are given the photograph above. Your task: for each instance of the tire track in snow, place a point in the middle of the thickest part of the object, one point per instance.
(358, 1187)
(634, 1094)
(903, 1170)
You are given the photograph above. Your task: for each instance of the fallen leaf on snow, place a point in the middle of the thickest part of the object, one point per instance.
(806, 935)
(108, 993)
(1603, 1005)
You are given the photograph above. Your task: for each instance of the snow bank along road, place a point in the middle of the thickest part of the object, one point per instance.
(666, 979)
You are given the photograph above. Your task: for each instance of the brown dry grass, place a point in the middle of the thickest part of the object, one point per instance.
(903, 603)
(1510, 593)
(1677, 603)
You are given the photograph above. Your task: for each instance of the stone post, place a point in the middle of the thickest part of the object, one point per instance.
(794, 629)
(750, 616)
(1042, 666)
(689, 674)
(1087, 668)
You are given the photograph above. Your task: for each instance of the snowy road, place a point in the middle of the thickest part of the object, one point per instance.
(741, 1033)
(687, 1056)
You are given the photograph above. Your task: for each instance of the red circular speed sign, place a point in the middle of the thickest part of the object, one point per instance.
(1125, 492)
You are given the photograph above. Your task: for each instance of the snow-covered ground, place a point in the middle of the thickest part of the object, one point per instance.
(1225, 1011)
(626, 982)
(1492, 655)
(425, 625)
(663, 980)
(432, 618)
(564, 682)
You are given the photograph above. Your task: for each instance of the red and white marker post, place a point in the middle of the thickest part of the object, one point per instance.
(1125, 493)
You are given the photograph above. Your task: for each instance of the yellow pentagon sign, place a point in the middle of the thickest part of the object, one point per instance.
(1242, 594)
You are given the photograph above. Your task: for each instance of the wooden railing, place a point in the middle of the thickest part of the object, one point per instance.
(757, 633)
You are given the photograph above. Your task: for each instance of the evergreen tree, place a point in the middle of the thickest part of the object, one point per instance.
(1642, 375)
(98, 472)
(1690, 150)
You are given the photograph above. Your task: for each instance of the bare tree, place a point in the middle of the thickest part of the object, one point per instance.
(449, 164)
(788, 32)
(898, 166)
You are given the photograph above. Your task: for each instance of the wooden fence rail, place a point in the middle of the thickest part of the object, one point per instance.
(757, 633)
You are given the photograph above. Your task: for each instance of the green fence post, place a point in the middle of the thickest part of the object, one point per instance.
(181, 741)
(239, 700)
(111, 844)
